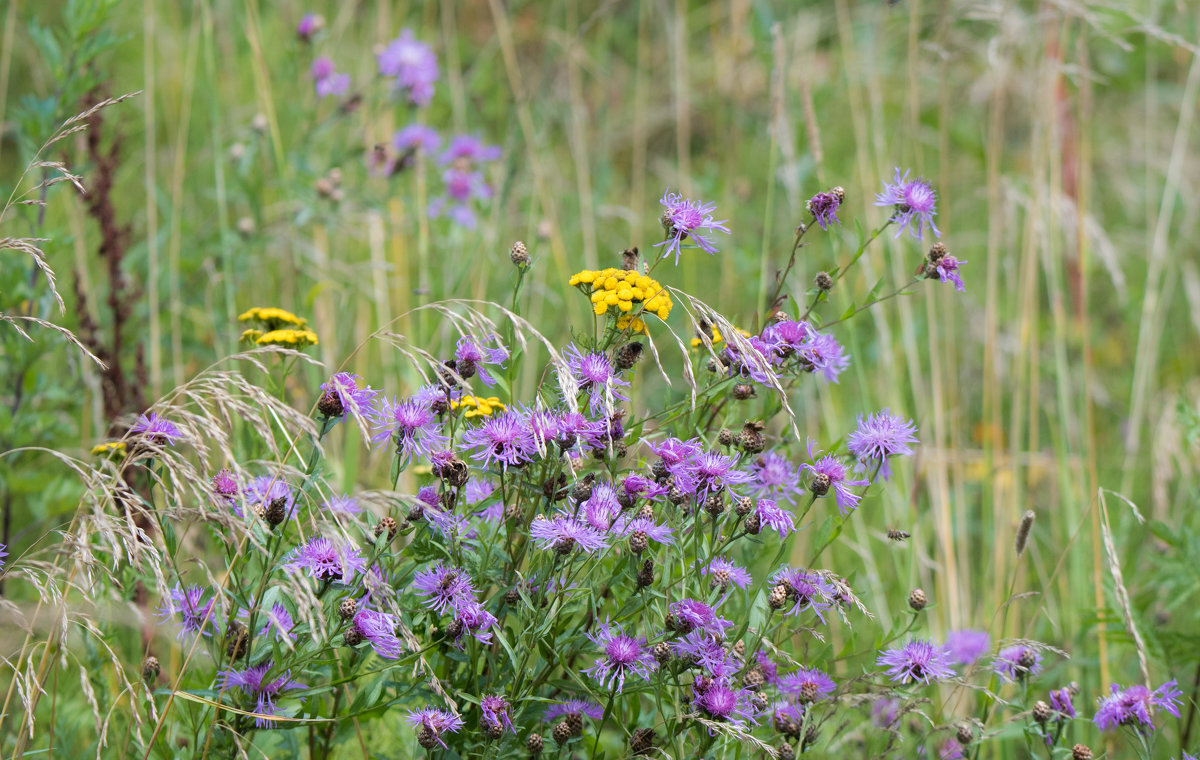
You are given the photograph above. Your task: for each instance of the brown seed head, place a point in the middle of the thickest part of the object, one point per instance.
(778, 597)
(820, 484)
(387, 525)
(638, 542)
(628, 355)
(352, 637)
(743, 391)
(330, 405)
(150, 670)
(1081, 752)
(519, 255)
(562, 732)
(276, 511)
(1042, 711)
(347, 607)
(642, 740)
(917, 600)
(535, 744)
(237, 641)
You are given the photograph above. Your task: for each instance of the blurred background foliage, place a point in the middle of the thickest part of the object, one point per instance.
(1061, 137)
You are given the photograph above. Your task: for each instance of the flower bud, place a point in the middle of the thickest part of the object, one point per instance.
(1042, 711)
(743, 391)
(917, 600)
(562, 732)
(535, 744)
(347, 607)
(823, 282)
(150, 670)
(519, 255)
(1081, 752)
(387, 525)
(820, 484)
(778, 597)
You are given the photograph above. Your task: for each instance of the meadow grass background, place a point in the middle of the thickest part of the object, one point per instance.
(1061, 137)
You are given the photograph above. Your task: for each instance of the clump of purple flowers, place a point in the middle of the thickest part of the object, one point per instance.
(411, 424)
(379, 629)
(1135, 705)
(684, 218)
(622, 657)
(472, 356)
(723, 703)
(345, 394)
(326, 80)
(563, 533)
(325, 560)
(253, 683)
(413, 64)
(503, 440)
(595, 376)
(156, 429)
(463, 179)
(918, 660)
(432, 724)
(914, 203)
(966, 646)
(881, 436)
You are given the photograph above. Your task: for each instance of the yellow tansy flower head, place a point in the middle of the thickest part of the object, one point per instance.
(251, 335)
(717, 338)
(288, 338)
(622, 293)
(272, 318)
(108, 447)
(478, 406)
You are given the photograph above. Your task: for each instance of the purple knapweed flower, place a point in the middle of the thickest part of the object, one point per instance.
(675, 453)
(342, 505)
(684, 218)
(563, 533)
(951, 750)
(829, 473)
(1063, 701)
(966, 646)
(1017, 662)
(156, 429)
(706, 651)
(774, 476)
(413, 64)
(806, 590)
(471, 354)
(1134, 706)
(691, 615)
(595, 377)
(433, 723)
(769, 668)
(725, 573)
(416, 136)
(720, 702)
(325, 560)
(472, 618)
(787, 712)
(461, 187)
(771, 515)
(946, 270)
(710, 473)
(326, 80)
(410, 424)
(345, 394)
(444, 586)
(823, 354)
(504, 439)
(379, 629)
(881, 436)
(252, 681)
(225, 486)
(824, 206)
(496, 709)
(639, 486)
(310, 24)
(196, 615)
(602, 507)
(279, 620)
(452, 526)
(918, 660)
(915, 204)
(885, 712)
(659, 534)
(810, 682)
(623, 656)
(579, 707)
(469, 149)
(263, 490)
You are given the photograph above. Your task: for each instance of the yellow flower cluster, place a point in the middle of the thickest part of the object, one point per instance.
(292, 338)
(108, 447)
(717, 338)
(618, 291)
(478, 406)
(273, 318)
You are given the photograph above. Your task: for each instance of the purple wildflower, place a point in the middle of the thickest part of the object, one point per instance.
(918, 660)
(710, 473)
(563, 533)
(343, 505)
(787, 712)
(156, 429)
(325, 560)
(965, 647)
(475, 354)
(444, 586)
(691, 615)
(1063, 702)
(496, 709)
(1134, 706)
(885, 712)
(706, 651)
(659, 534)
(1017, 662)
(769, 668)
(724, 573)
(881, 436)
(264, 490)
(770, 515)
(602, 507)
(502, 438)
(326, 80)
(413, 64)
(639, 486)
(915, 204)
(722, 703)
(946, 270)
(472, 618)
(225, 485)
(676, 454)
(824, 206)
(595, 377)
(822, 353)
(411, 424)
(807, 679)
(196, 615)
(417, 136)
(806, 590)
(776, 477)
(434, 723)
(684, 218)
(379, 628)
(828, 472)
(469, 149)
(346, 392)
(310, 24)
(279, 619)
(950, 750)
(253, 683)
(623, 656)
(574, 707)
